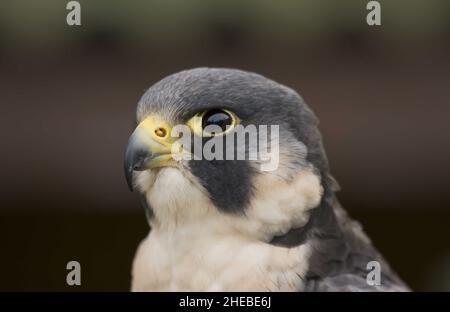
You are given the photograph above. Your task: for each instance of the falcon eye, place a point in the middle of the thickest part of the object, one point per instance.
(217, 117)
(221, 119)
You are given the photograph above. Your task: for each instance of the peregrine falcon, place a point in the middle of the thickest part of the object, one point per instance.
(228, 224)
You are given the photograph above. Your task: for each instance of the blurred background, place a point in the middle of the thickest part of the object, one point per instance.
(68, 96)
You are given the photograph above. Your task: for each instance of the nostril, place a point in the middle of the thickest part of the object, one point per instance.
(160, 132)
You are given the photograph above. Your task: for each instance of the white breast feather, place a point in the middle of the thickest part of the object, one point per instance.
(194, 247)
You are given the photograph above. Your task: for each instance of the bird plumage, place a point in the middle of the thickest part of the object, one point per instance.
(226, 225)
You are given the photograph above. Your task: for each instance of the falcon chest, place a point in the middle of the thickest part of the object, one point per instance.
(194, 260)
(194, 247)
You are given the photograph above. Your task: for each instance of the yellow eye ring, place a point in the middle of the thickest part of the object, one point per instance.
(222, 118)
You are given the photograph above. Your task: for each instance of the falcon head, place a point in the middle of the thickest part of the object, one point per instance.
(180, 185)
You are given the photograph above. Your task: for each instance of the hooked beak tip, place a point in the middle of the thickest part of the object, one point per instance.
(136, 155)
(129, 177)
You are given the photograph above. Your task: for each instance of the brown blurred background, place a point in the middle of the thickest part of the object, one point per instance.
(68, 96)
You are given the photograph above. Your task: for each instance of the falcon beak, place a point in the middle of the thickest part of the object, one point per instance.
(148, 147)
